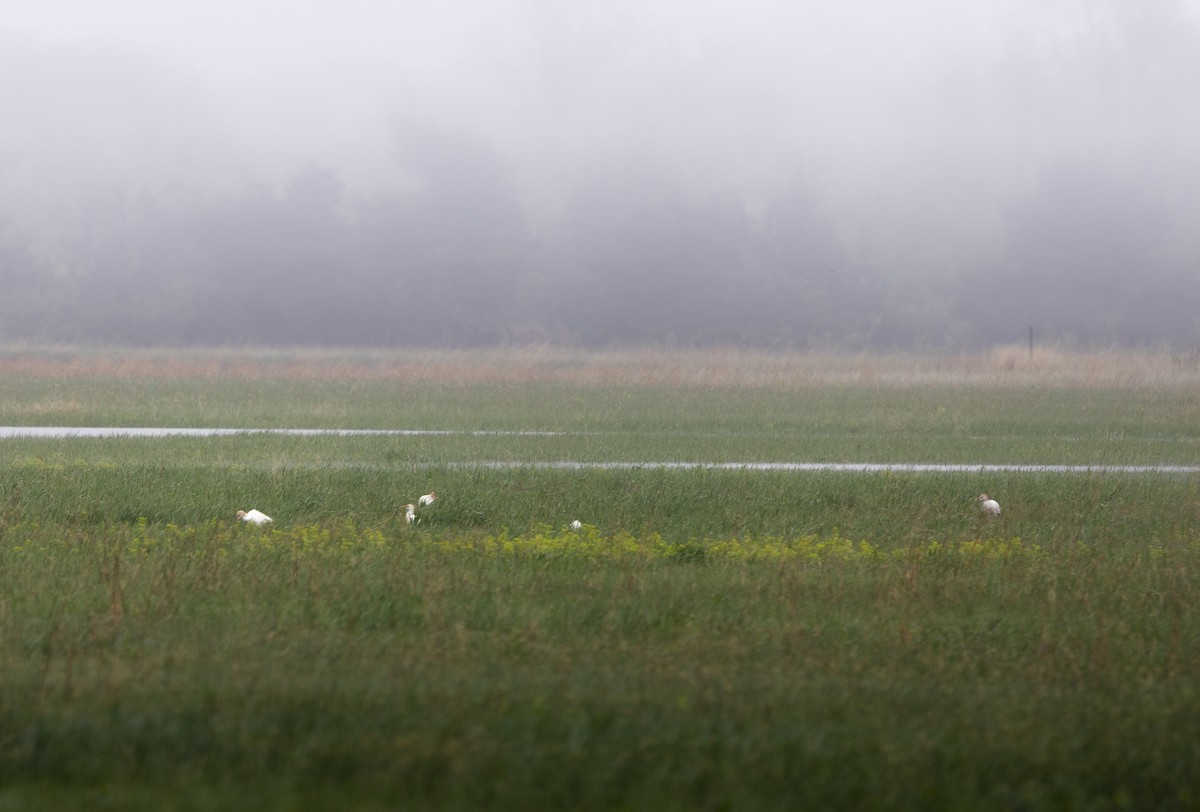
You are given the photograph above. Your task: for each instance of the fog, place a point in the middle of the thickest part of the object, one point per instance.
(865, 174)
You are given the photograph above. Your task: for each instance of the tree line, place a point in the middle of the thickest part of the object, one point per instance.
(625, 253)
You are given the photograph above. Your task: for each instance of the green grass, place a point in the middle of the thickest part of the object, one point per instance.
(678, 504)
(950, 417)
(335, 666)
(851, 424)
(712, 639)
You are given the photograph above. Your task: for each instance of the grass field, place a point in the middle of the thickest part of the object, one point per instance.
(711, 639)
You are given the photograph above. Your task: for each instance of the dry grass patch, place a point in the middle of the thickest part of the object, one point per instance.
(1006, 366)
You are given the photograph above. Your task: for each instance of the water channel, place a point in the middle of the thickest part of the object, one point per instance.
(71, 432)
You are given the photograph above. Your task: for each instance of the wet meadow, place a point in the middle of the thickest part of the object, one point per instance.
(710, 638)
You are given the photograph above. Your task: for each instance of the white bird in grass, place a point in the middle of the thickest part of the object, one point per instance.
(254, 516)
(988, 505)
(427, 499)
(576, 525)
(410, 515)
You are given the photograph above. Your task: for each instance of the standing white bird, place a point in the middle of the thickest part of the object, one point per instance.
(410, 515)
(427, 499)
(576, 525)
(254, 516)
(988, 505)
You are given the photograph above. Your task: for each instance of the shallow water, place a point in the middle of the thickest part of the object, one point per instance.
(64, 432)
(67, 432)
(868, 467)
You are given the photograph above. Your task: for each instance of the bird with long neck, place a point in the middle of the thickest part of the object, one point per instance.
(988, 505)
(254, 516)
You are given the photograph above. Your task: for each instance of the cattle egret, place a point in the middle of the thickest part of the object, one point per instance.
(576, 525)
(409, 515)
(254, 516)
(427, 499)
(988, 505)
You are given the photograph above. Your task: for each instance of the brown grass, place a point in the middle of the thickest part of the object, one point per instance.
(1006, 366)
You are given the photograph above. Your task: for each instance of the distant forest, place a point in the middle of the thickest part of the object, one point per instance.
(873, 176)
(625, 253)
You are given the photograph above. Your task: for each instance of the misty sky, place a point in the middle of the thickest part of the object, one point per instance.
(741, 89)
(913, 161)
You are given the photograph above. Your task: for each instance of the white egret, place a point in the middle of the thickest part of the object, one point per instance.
(988, 505)
(410, 515)
(254, 516)
(427, 499)
(576, 525)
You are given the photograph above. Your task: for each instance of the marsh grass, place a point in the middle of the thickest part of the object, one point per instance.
(678, 504)
(1004, 366)
(711, 639)
(1059, 408)
(836, 424)
(432, 669)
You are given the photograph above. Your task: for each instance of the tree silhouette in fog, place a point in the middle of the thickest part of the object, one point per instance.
(645, 260)
(451, 251)
(1086, 259)
(29, 296)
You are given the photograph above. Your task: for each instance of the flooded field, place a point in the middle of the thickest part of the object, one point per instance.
(106, 432)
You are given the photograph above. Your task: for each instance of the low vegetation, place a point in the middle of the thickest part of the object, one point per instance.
(708, 639)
